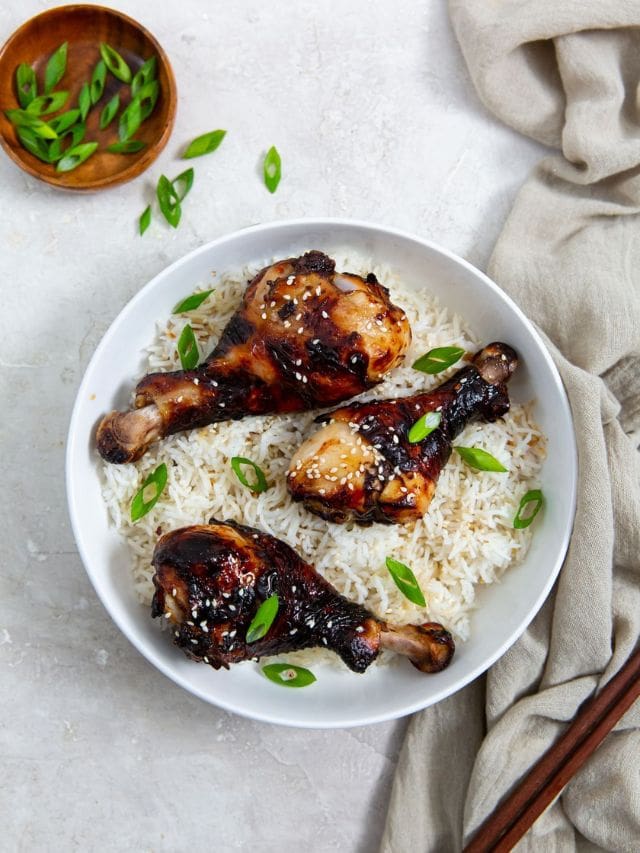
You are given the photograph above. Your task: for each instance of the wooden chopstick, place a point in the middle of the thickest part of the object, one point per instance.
(515, 815)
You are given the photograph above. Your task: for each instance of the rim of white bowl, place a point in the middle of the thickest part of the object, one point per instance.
(403, 709)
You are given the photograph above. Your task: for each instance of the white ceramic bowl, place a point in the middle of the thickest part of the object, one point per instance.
(338, 698)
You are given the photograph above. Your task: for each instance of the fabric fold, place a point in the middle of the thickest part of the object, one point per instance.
(566, 74)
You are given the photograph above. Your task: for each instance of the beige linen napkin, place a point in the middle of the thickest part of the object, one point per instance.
(567, 73)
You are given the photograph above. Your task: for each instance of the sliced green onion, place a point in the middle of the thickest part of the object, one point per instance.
(76, 156)
(76, 133)
(526, 513)
(437, 360)
(192, 302)
(188, 348)
(115, 63)
(406, 581)
(131, 146)
(35, 144)
(263, 619)
(143, 75)
(48, 103)
(26, 84)
(84, 101)
(98, 78)
(272, 169)
(183, 183)
(145, 219)
(204, 144)
(424, 426)
(478, 458)
(147, 97)
(260, 484)
(168, 201)
(64, 121)
(56, 66)
(147, 496)
(130, 120)
(109, 112)
(288, 675)
(21, 118)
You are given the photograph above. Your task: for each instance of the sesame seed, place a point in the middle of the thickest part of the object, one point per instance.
(205, 659)
(359, 629)
(304, 380)
(298, 376)
(214, 383)
(208, 602)
(196, 381)
(330, 623)
(286, 324)
(262, 307)
(291, 279)
(194, 612)
(228, 594)
(325, 315)
(195, 642)
(286, 296)
(298, 362)
(222, 405)
(301, 330)
(318, 291)
(168, 615)
(315, 341)
(232, 633)
(295, 301)
(174, 592)
(293, 631)
(272, 305)
(396, 440)
(232, 608)
(294, 588)
(350, 486)
(305, 296)
(264, 316)
(322, 491)
(324, 640)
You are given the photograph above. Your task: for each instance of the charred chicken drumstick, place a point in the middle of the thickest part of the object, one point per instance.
(210, 580)
(305, 336)
(361, 465)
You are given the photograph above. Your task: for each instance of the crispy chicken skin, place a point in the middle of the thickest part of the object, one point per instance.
(305, 336)
(210, 580)
(361, 465)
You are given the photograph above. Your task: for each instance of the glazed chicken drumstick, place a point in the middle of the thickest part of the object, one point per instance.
(361, 466)
(305, 336)
(210, 580)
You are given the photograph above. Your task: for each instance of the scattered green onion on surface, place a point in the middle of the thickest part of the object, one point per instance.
(98, 78)
(147, 496)
(55, 68)
(188, 349)
(45, 104)
(145, 219)
(204, 144)
(424, 426)
(109, 111)
(406, 581)
(479, 459)
(260, 484)
(143, 75)
(529, 507)
(183, 183)
(190, 303)
(75, 156)
(168, 201)
(131, 146)
(288, 675)
(438, 359)
(115, 63)
(26, 84)
(272, 169)
(263, 619)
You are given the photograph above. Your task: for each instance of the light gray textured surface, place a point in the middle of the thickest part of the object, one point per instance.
(371, 108)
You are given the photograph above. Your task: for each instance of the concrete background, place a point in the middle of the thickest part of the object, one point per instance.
(373, 112)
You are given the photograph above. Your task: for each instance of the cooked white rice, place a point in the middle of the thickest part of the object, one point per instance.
(466, 538)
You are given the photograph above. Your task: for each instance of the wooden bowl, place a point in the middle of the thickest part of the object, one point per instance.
(84, 28)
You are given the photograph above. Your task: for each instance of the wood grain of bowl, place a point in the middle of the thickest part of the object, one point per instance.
(85, 28)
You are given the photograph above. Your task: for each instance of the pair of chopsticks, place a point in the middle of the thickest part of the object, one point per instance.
(513, 817)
